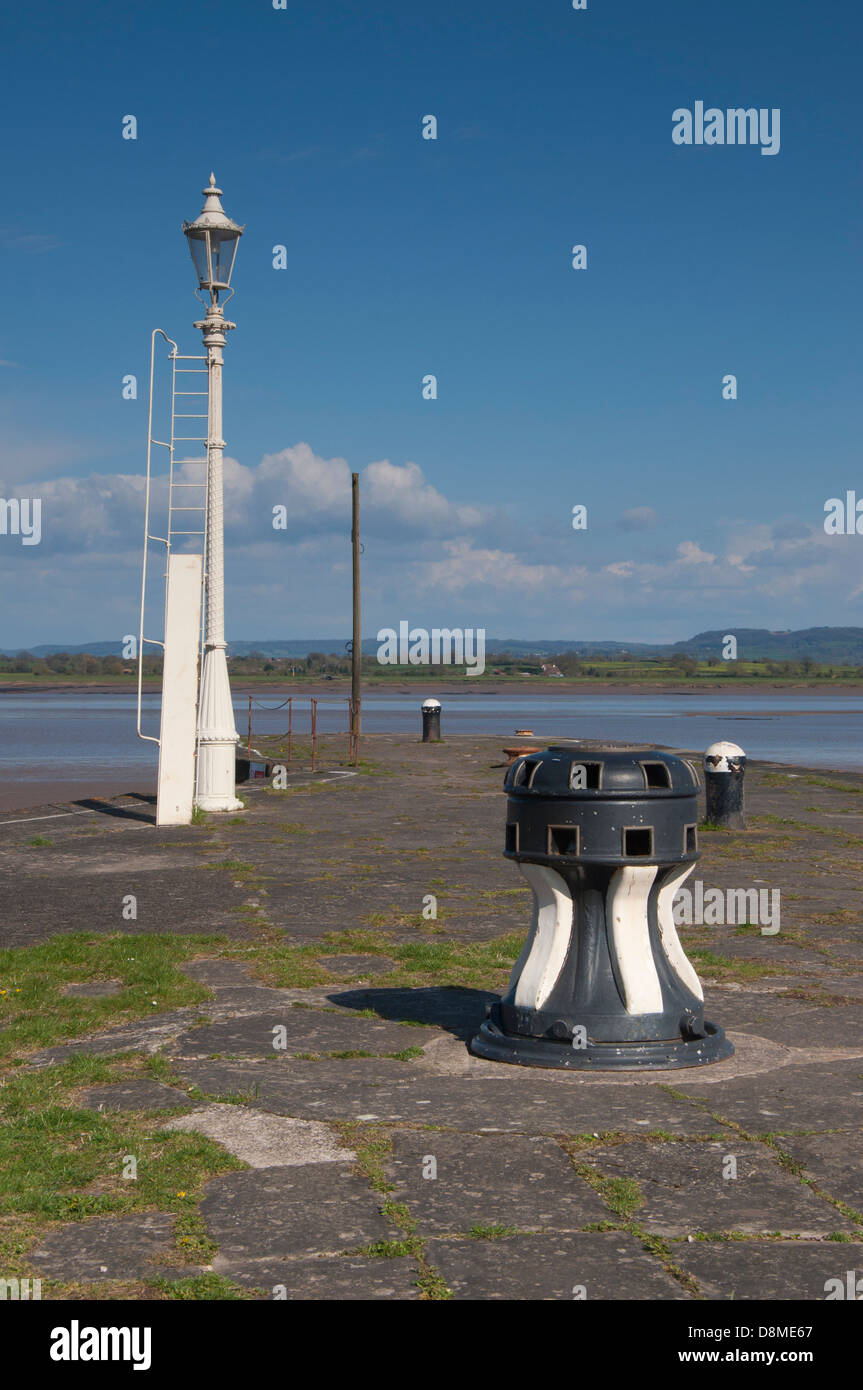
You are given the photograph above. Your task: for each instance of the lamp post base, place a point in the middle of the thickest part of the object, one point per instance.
(216, 774)
(217, 737)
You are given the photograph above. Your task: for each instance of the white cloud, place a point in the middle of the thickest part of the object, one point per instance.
(403, 494)
(690, 553)
(424, 551)
(103, 512)
(465, 568)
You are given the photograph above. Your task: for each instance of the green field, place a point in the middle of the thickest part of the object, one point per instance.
(254, 672)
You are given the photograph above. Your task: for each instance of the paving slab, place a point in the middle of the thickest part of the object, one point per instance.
(849, 986)
(795, 1022)
(276, 1213)
(262, 1140)
(770, 1271)
(306, 1030)
(249, 998)
(92, 989)
(211, 970)
(454, 1182)
(356, 965)
(684, 1189)
(287, 1085)
(821, 1096)
(590, 1266)
(171, 902)
(118, 1247)
(834, 1161)
(145, 1035)
(333, 1278)
(372, 1089)
(851, 951)
(134, 1095)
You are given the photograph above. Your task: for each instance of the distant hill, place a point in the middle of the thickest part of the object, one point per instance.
(838, 644)
(830, 644)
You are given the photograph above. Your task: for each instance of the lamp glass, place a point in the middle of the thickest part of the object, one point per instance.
(223, 246)
(198, 248)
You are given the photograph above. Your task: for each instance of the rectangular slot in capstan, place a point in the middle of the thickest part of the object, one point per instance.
(656, 775)
(511, 841)
(585, 777)
(690, 839)
(638, 842)
(563, 839)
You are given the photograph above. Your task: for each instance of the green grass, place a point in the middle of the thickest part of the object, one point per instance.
(850, 787)
(34, 1013)
(622, 1196)
(469, 965)
(200, 1287)
(62, 1162)
(841, 837)
(728, 967)
(373, 1145)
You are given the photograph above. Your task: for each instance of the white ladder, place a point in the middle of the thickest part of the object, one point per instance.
(186, 523)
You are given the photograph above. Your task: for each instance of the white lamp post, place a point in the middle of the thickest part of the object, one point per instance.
(213, 239)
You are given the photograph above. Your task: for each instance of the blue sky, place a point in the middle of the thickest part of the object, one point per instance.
(452, 257)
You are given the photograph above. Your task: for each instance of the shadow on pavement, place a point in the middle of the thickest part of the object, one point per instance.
(458, 1010)
(110, 808)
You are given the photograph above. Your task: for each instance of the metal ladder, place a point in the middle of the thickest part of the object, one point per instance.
(187, 495)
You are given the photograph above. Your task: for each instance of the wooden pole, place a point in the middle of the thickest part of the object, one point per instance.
(357, 642)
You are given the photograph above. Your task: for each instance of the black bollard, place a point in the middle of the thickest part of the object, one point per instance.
(431, 721)
(724, 770)
(605, 840)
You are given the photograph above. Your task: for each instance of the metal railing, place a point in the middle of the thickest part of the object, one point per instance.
(352, 733)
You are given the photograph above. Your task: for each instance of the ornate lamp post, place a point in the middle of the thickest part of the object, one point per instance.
(213, 239)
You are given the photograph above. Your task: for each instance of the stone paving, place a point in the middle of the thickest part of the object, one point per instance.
(381, 1159)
